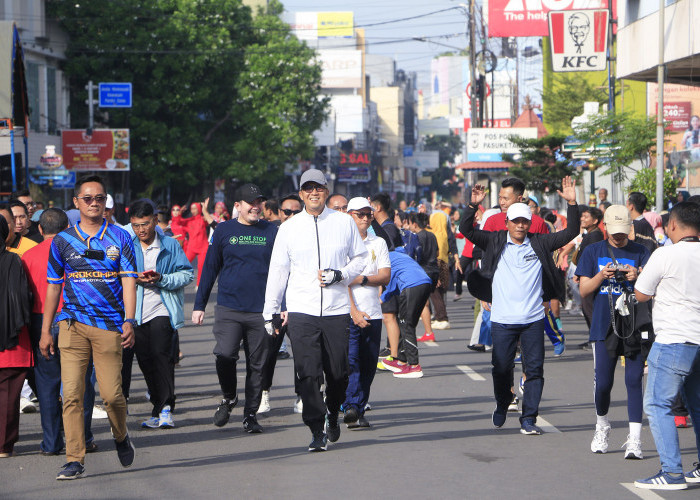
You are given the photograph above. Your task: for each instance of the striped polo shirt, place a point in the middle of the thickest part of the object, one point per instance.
(92, 293)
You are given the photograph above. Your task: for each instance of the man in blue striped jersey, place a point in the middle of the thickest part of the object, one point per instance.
(96, 261)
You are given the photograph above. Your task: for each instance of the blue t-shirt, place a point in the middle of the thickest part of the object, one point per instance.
(594, 258)
(240, 256)
(411, 244)
(93, 293)
(405, 273)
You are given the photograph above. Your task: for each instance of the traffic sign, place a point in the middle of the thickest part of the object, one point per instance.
(115, 95)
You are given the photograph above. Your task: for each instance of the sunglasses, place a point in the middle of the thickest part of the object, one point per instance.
(310, 188)
(289, 212)
(363, 215)
(100, 198)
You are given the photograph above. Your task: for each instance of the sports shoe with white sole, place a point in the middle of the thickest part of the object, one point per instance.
(694, 475)
(26, 406)
(662, 481)
(440, 325)
(151, 423)
(634, 449)
(299, 405)
(99, 413)
(165, 421)
(513, 406)
(600, 439)
(319, 441)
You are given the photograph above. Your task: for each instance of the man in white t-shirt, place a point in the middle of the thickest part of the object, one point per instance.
(671, 276)
(366, 314)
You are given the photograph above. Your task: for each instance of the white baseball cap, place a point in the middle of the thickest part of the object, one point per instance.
(518, 210)
(109, 204)
(359, 203)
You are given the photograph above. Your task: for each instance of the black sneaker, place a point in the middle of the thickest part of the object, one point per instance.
(363, 422)
(332, 427)
(499, 417)
(385, 352)
(91, 447)
(251, 425)
(125, 452)
(223, 412)
(319, 441)
(351, 415)
(72, 470)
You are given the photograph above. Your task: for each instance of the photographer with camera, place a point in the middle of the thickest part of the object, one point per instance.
(608, 270)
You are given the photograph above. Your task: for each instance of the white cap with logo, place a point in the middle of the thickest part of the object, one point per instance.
(617, 220)
(359, 203)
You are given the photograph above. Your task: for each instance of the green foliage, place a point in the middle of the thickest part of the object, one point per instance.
(566, 99)
(448, 147)
(625, 137)
(644, 181)
(539, 163)
(216, 92)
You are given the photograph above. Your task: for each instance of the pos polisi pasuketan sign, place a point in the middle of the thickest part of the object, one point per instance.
(579, 40)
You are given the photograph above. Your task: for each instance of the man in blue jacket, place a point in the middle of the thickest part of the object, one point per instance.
(239, 254)
(163, 273)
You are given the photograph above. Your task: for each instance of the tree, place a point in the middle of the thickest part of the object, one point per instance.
(644, 181)
(616, 140)
(565, 101)
(207, 103)
(540, 164)
(448, 147)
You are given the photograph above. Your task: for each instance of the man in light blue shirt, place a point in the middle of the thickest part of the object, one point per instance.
(517, 276)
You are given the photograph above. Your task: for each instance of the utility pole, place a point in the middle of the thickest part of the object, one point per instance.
(661, 70)
(472, 64)
(91, 106)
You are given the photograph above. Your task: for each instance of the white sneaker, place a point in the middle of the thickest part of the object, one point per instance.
(299, 405)
(600, 439)
(98, 412)
(264, 402)
(634, 449)
(26, 406)
(440, 325)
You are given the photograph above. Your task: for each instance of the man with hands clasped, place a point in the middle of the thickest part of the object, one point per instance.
(517, 276)
(317, 254)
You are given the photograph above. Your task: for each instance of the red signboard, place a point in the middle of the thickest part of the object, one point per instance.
(497, 123)
(104, 149)
(677, 114)
(357, 158)
(529, 17)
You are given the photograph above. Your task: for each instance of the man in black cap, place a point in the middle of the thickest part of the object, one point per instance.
(239, 254)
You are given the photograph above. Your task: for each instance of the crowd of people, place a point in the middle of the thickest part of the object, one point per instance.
(84, 295)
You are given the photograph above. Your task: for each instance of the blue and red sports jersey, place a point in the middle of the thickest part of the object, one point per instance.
(93, 293)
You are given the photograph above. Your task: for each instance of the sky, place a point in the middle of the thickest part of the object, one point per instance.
(395, 39)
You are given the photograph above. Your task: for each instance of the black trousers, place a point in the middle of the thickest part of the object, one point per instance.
(465, 263)
(154, 353)
(320, 347)
(411, 303)
(271, 363)
(230, 328)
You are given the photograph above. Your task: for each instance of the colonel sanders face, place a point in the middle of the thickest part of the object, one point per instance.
(579, 26)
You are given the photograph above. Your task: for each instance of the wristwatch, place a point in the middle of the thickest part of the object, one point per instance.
(364, 281)
(132, 321)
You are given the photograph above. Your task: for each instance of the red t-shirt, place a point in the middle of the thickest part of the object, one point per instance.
(20, 356)
(497, 222)
(36, 262)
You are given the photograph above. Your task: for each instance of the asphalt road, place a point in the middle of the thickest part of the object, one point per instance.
(430, 437)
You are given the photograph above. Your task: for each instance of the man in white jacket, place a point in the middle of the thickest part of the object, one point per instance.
(316, 254)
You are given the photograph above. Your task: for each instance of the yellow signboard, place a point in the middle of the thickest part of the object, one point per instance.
(335, 24)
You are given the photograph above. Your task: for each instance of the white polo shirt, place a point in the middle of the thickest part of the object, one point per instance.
(367, 297)
(672, 274)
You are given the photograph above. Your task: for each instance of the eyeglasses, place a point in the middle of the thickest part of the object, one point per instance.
(310, 188)
(100, 198)
(139, 226)
(289, 213)
(363, 215)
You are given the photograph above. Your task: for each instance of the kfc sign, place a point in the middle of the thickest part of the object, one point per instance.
(529, 17)
(579, 40)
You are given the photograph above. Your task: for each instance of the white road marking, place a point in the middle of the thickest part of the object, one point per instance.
(546, 426)
(470, 373)
(430, 343)
(644, 494)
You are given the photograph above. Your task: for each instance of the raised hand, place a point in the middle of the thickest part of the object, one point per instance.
(568, 189)
(478, 194)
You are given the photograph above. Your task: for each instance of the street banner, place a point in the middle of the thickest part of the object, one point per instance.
(579, 40)
(104, 149)
(490, 144)
(529, 17)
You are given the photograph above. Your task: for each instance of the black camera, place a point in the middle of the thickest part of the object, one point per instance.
(620, 273)
(94, 254)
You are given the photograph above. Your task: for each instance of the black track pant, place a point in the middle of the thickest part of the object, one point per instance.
(320, 347)
(411, 303)
(154, 353)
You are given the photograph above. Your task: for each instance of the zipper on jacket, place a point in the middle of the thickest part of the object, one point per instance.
(318, 249)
